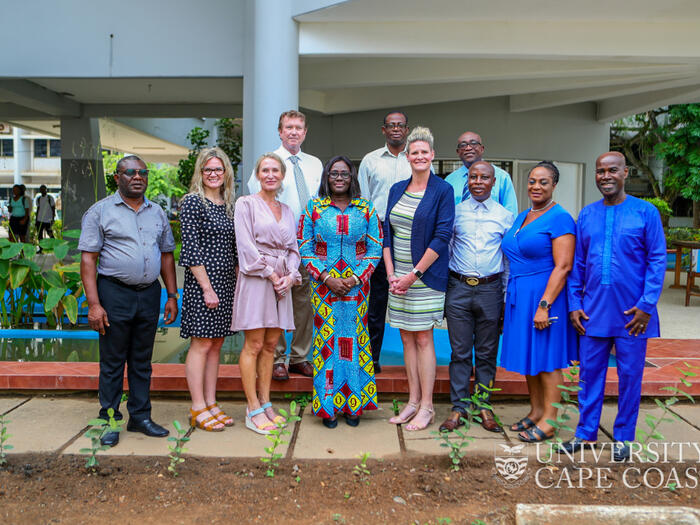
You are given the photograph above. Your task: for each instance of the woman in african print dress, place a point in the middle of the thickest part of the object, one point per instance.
(340, 242)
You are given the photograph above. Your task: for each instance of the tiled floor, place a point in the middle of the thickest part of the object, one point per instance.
(665, 354)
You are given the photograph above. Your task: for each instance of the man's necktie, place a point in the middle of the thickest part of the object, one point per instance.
(465, 191)
(302, 190)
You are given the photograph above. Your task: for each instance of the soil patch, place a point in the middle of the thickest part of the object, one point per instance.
(42, 488)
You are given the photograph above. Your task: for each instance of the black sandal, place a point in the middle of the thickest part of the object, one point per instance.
(522, 425)
(330, 422)
(535, 435)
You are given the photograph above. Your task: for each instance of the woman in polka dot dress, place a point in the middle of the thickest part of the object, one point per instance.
(209, 257)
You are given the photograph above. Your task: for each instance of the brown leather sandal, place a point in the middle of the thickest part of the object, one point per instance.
(221, 415)
(206, 424)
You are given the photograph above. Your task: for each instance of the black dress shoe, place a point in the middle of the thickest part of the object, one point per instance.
(575, 444)
(620, 452)
(111, 439)
(330, 423)
(148, 427)
(353, 421)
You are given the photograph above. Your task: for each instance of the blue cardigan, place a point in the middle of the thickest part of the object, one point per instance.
(432, 227)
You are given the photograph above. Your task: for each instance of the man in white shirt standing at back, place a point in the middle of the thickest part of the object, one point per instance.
(379, 171)
(301, 182)
(474, 298)
(45, 213)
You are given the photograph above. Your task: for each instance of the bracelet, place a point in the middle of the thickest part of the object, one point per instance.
(328, 276)
(357, 279)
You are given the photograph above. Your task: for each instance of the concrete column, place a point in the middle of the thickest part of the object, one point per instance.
(82, 174)
(271, 75)
(19, 155)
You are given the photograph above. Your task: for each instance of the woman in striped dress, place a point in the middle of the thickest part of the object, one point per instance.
(417, 230)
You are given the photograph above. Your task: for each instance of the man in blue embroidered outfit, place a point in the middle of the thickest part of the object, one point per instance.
(470, 149)
(379, 171)
(474, 299)
(613, 289)
(340, 244)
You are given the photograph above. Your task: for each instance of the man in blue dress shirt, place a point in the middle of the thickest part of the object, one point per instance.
(470, 149)
(613, 289)
(474, 299)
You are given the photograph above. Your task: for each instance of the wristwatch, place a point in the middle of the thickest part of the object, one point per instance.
(173, 296)
(544, 304)
(417, 272)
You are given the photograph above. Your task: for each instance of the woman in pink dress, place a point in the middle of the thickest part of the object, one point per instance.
(268, 260)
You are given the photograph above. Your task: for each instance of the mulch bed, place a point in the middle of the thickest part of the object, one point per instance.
(47, 488)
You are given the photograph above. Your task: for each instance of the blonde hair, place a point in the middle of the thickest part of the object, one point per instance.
(292, 113)
(228, 190)
(419, 134)
(275, 157)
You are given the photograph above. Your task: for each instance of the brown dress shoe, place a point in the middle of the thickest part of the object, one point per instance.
(452, 422)
(304, 368)
(488, 422)
(279, 372)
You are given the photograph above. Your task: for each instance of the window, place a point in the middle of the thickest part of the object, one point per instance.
(40, 149)
(7, 148)
(44, 148)
(54, 148)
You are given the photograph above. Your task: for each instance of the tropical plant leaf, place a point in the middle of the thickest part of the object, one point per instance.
(11, 251)
(70, 303)
(29, 263)
(53, 296)
(18, 274)
(71, 234)
(4, 268)
(52, 277)
(61, 250)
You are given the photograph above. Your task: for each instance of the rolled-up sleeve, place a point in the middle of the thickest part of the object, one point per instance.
(166, 243)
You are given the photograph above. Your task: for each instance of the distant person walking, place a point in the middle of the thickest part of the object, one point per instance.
(45, 213)
(20, 209)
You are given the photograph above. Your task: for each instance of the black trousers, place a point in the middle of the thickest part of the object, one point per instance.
(473, 314)
(42, 227)
(376, 312)
(128, 340)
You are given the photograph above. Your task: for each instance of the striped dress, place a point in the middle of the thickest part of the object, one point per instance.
(422, 307)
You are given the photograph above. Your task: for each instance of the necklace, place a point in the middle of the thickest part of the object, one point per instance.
(549, 202)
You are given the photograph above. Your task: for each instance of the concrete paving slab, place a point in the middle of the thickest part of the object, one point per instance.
(673, 432)
(8, 403)
(46, 424)
(134, 443)
(235, 441)
(690, 413)
(374, 435)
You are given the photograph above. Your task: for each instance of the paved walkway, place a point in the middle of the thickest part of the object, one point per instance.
(56, 424)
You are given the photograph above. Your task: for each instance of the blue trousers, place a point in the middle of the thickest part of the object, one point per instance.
(594, 354)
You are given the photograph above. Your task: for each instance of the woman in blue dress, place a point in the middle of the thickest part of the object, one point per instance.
(340, 242)
(538, 340)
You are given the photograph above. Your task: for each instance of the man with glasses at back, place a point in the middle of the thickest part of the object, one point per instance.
(379, 171)
(470, 149)
(132, 238)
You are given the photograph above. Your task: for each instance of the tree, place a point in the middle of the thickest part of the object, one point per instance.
(185, 168)
(669, 134)
(680, 150)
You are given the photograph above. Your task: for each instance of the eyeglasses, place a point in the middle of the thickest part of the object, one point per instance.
(471, 144)
(131, 172)
(209, 171)
(339, 175)
(394, 125)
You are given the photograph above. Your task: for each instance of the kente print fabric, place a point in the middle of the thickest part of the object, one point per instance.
(342, 243)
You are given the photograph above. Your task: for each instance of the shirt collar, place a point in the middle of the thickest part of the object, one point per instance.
(118, 200)
(286, 154)
(475, 204)
(385, 151)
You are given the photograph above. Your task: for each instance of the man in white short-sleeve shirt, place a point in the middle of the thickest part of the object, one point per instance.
(300, 183)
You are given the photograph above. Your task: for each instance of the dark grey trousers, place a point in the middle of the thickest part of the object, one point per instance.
(128, 340)
(473, 314)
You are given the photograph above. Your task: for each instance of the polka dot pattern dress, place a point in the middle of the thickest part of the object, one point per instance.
(208, 239)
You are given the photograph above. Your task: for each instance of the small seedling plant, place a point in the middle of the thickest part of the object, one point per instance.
(565, 408)
(654, 422)
(459, 439)
(395, 406)
(4, 437)
(177, 448)
(361, 470)
(276, 438)
(98, 428)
